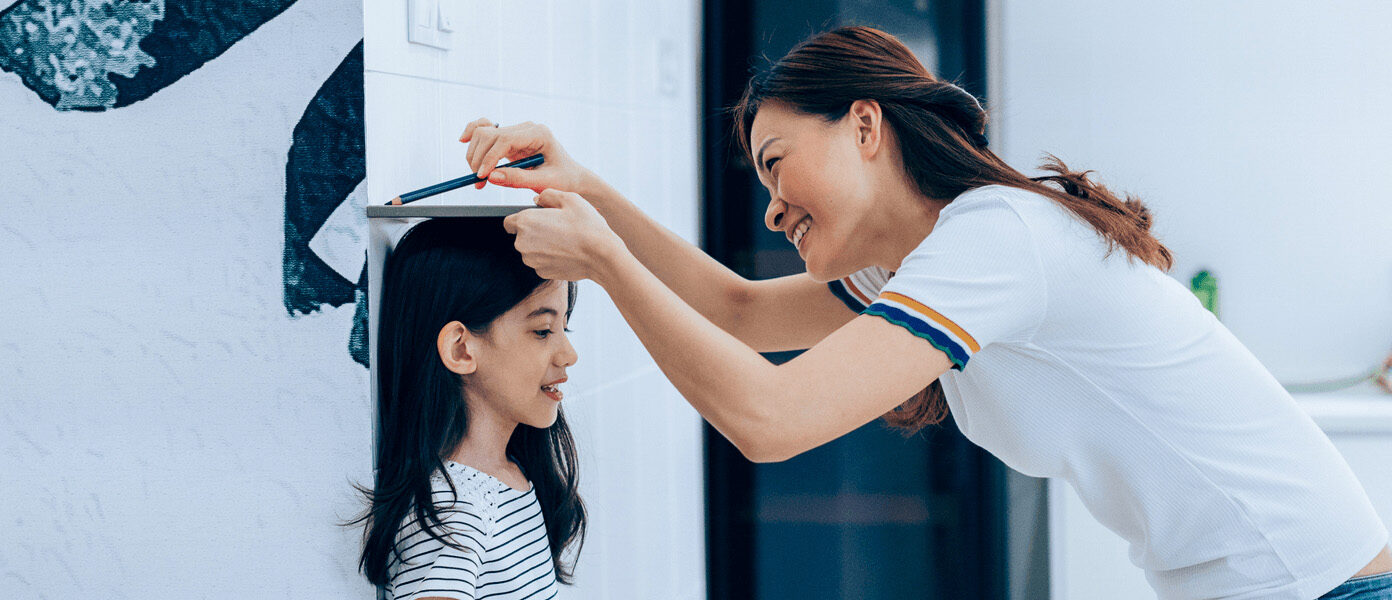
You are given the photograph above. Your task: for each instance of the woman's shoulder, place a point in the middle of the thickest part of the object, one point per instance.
(1000, 196)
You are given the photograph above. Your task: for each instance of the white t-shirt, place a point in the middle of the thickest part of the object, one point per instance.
(1103, 371)
(506, 554)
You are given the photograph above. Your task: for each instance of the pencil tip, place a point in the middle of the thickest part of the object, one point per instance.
(396, 200)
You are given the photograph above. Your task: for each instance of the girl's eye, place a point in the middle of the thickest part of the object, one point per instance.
(542, 333)
(768, 164)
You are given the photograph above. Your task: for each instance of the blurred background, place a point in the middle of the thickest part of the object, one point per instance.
(183, 366)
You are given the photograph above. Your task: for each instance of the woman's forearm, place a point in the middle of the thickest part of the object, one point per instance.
(730, 384)
(716, 292)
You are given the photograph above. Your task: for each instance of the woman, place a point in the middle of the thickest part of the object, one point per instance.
(1036, 310)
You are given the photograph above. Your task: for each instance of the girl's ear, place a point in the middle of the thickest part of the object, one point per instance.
(868, 119)
(453, 344)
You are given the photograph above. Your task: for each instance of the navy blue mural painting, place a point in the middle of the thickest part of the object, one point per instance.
(100, 55)
(94, 55)
(325, 248)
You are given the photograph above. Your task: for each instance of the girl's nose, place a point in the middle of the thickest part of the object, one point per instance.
(773, 217)
(567, 356)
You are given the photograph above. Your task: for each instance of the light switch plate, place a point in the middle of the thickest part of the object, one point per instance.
(423, 24)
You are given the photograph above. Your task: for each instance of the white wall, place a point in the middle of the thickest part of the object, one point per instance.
(1256, 132)
(616, 81)
(166, 429)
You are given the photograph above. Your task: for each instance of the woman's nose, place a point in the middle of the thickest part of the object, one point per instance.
(773, 217)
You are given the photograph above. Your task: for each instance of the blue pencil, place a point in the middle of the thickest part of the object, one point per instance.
(470, 179)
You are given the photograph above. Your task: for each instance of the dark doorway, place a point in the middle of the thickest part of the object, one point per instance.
(873, 514)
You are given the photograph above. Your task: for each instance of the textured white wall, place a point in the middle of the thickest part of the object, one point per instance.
(166, 429)
(616, 80)
(1256, 132)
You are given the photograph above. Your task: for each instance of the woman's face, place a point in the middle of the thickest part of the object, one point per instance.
(522, 359)
(816, 176)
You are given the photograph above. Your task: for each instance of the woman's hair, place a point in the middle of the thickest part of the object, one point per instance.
(940, 129)
(443, 270)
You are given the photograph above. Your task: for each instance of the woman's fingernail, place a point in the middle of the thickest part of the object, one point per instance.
(497, 176)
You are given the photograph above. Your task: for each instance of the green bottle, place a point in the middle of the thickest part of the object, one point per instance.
(1205, 286)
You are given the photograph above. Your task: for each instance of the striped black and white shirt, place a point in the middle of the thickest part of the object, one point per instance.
(507, 555)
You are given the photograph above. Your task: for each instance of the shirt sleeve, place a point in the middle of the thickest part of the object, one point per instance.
(975, 280)
(858, 290)
(432, 569)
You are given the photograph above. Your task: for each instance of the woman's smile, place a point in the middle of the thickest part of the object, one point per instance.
(800, 232)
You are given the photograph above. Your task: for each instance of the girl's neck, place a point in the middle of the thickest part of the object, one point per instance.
(484, 446)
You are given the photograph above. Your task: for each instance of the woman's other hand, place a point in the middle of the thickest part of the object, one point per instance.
(565, 239)
(489, 144)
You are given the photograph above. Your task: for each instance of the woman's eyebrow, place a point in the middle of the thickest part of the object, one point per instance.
(543, 311)
(760, 154)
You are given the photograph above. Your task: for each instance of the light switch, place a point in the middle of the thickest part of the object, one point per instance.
(423, 24)
(445, 21)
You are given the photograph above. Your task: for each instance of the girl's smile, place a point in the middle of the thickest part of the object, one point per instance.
(521, 361)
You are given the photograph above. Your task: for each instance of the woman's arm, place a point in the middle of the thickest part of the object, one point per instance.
(770, 412)
(787, 313)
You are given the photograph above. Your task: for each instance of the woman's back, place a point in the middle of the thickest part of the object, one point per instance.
(1104, 371)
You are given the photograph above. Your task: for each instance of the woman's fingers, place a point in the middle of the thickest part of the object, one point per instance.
(483, 140)
(518, 178)
(518, 141)
(475, 124)
(553, 198)
(490, 145)
(504, 147)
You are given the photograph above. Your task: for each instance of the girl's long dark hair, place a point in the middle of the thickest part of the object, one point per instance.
(443, 270)
(940, 129)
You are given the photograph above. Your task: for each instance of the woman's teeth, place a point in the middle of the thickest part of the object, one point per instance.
(553, 390)
(801, 230)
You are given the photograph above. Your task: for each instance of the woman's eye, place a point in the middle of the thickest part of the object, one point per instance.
(768, 164)
(542, 333)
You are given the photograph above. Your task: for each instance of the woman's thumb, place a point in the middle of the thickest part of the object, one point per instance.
(551, 198)
(516, 178)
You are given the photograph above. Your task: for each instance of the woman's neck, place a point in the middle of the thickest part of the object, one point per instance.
(906, 219)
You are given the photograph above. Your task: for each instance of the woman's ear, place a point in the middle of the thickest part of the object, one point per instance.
(868, 120)
(455, 347)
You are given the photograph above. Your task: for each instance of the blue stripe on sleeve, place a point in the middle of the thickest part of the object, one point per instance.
(839, 290)
(918, 327)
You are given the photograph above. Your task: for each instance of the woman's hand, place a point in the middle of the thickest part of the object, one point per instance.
(565, 239)
(489, 144)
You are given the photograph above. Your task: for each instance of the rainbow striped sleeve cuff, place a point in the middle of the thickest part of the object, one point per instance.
(850, 293)
(926, 323)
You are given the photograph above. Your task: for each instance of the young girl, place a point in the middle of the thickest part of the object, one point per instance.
(476, 485)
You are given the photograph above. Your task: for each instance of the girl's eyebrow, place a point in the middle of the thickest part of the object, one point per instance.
(543, 311)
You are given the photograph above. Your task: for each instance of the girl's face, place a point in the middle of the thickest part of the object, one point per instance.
(819, 191)
(521, 360)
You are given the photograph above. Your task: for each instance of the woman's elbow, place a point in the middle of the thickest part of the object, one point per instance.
(763, 446)
(762, 453)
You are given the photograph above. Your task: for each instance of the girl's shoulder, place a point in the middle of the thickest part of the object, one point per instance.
(466, 488)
